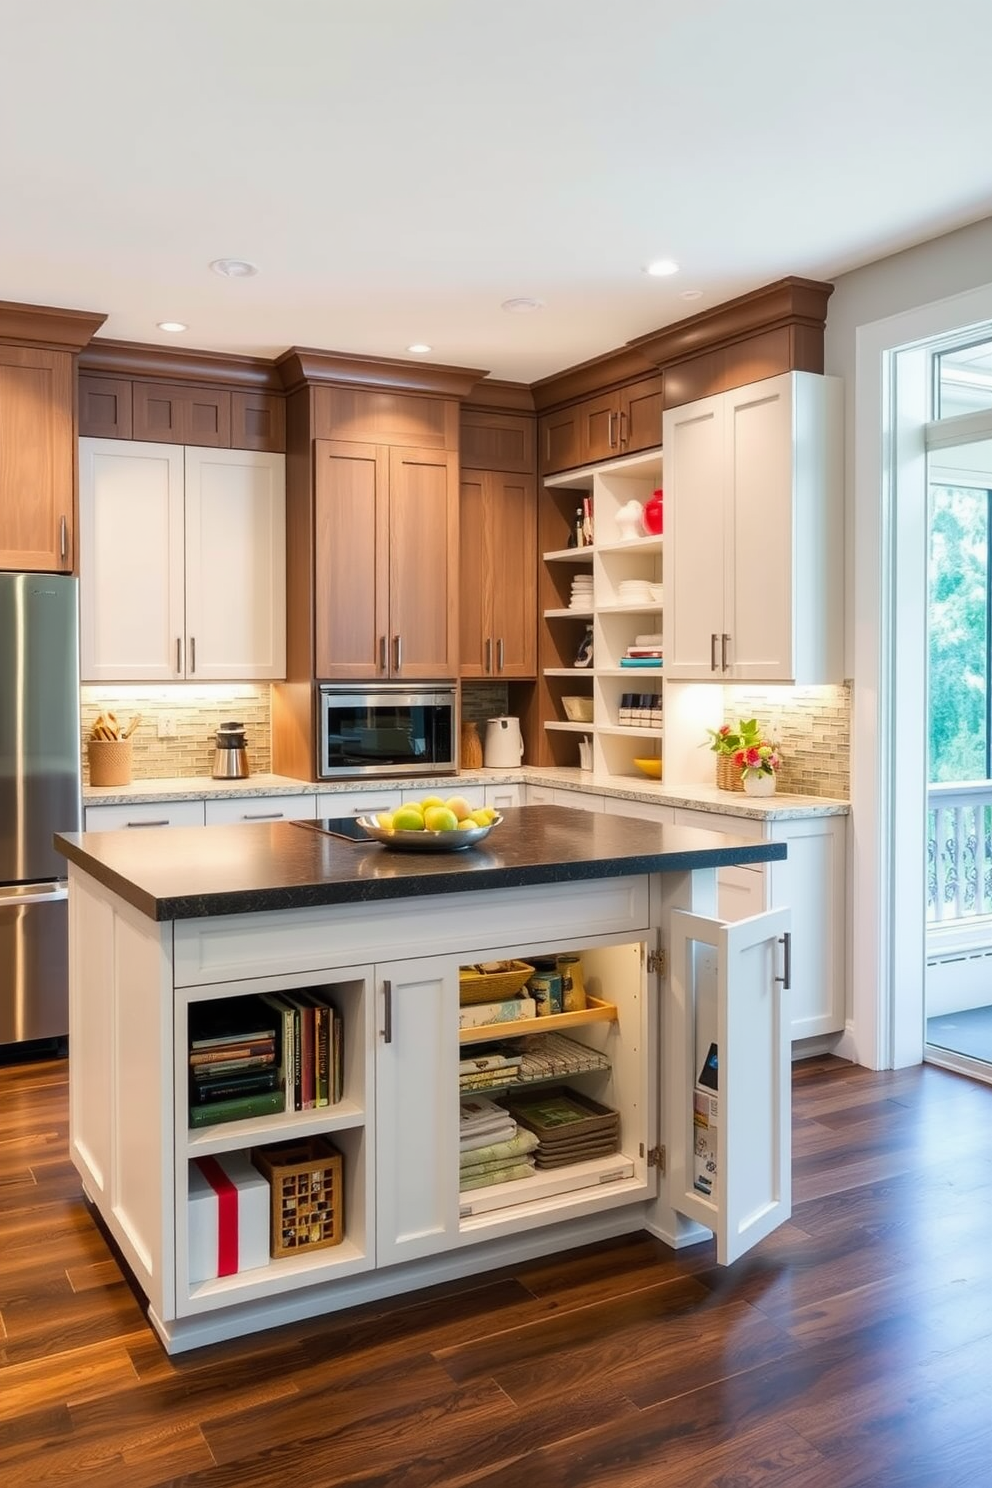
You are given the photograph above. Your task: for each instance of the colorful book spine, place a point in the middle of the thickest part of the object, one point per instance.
(240, 1108)
(287, 1044)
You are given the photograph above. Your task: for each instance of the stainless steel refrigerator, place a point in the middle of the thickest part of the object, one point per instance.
(39, 796)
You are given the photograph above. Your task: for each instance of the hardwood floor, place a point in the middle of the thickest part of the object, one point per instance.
(852, 1348)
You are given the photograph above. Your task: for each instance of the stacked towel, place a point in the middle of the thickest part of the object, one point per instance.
(492, 1148)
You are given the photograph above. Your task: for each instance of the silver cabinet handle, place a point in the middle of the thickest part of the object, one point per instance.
(398, 652)
(499, 654)
(382, 653)
(488, 664)
(724, 643)
(192, 655)
(623, 430)
(786, 977)
(387, 1012)
(63, 538)
(179, 655)
(713, 652)
(609, 430)
(262, 815)
(163, 823)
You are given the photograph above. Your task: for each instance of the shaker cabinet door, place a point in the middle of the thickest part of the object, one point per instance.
(727, 987)
(423, 564)
(351, 559)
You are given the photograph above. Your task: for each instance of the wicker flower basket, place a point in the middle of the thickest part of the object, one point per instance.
(728, 777)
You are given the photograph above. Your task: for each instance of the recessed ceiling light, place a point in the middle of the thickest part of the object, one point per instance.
(522, 306)
(660, 268)
(690, 294)
(234, 268)
(171, 325)
(420, 348)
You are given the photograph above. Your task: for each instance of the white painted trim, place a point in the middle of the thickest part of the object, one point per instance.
(887, 940)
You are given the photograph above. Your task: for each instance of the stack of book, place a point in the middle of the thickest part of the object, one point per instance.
(311, 1041)
(570, 1127)
(233, 1062)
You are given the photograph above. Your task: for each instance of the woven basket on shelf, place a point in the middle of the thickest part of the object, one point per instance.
(491, 986)
(728, 777)
(110, 761)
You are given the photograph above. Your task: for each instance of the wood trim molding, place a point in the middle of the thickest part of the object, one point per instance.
(789, 301)
(302, 364)
(598, 375)
(137, 359)
(493, 395)
(44, 325)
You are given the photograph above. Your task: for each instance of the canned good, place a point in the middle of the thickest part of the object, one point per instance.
(573, 987)
(545, 988)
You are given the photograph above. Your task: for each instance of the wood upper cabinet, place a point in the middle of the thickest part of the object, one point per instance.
(622, 422)
(498, 441)
(753, 534)
(371, 417)
(104, 407)
(386, 562)
(37, 459)
(498, 570)
(182, 563)
(171, 413)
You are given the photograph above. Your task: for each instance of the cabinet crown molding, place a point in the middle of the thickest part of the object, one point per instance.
(137, 359)
(301, 364)
(789, 301)
(46, 325)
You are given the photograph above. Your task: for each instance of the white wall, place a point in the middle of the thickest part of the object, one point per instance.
(858, 332)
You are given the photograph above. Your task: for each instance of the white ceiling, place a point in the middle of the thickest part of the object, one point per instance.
(399, 168)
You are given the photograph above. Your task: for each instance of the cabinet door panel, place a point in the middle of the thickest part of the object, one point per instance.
(694, 568)
(558, 441)
(641, 407)
(512, 573)
(351, 580)
(726, 989)
(759, 531)
(348, 413)
(599, 428)
(235, 565)
(416, 1108)
(131, 559)
(498, 441)
(423, 563)
(258, 422)
(474, 621)
(172, 414)
(36, 460)
(104, 407)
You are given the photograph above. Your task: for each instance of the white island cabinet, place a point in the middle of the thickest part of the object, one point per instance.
(243, 911)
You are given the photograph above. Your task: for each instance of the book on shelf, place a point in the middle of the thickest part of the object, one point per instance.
(229, 1020)
(286, 1014)
(233, 1066)
(234, 1052)
(237, 1108)
(304, 1031)
(226, 1086)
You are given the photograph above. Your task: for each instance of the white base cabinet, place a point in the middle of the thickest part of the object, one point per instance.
(134, 982)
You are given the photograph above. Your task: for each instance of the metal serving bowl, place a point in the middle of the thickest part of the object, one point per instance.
(426, 841)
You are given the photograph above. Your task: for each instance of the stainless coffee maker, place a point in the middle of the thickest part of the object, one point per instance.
(230, 753)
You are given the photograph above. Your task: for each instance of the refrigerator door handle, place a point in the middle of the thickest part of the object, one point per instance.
(12, 896)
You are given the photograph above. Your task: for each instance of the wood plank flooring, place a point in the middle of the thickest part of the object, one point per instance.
(852, 1348)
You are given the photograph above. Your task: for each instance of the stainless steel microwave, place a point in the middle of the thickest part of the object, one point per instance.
(385, 730)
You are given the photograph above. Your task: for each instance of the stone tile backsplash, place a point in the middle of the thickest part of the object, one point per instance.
(196, 713)
(813, 727)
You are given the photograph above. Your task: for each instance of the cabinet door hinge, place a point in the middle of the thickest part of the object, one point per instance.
(658, 962)
(656, 1158)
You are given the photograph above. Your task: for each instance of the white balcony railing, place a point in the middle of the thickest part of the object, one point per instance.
(959, 851)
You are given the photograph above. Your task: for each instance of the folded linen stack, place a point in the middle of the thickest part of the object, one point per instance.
(492, 1149)
(581, 592)
(484, 1070)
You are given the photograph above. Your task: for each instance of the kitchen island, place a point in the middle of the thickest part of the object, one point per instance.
(161, 926)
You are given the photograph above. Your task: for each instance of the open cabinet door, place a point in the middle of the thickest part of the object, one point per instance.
(726, 986)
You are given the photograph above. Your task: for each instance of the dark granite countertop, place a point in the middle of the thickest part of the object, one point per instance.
(193, 872)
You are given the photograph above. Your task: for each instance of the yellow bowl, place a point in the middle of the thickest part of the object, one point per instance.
(650, 767)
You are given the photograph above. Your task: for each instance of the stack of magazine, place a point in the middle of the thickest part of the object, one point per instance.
(570, 1127)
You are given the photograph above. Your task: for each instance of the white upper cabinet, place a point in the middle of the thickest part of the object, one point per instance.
(754, 528)
(182, 563)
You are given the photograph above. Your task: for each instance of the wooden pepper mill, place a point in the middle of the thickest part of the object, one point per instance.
(470, 747)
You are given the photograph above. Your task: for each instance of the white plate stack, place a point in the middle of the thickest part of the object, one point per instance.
(635, 592)
(581, 598)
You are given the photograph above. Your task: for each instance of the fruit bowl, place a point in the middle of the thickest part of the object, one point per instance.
(650, 767)
(426, 841)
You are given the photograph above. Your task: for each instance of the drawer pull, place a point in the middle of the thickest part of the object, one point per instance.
(262, 815)
(387, 1012)
(786, 977)
(163, 823)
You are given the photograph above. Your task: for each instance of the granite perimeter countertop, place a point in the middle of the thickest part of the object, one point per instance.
(194, 872)
(780, 807)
